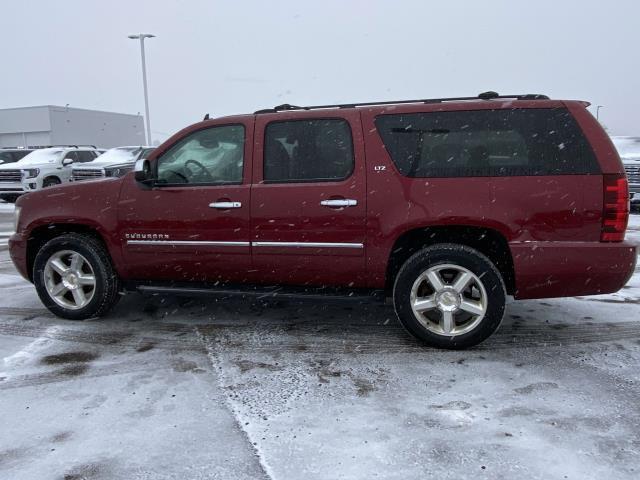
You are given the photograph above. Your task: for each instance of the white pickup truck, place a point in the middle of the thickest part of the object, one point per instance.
(41, 168)
(629, 150)
(113, 163)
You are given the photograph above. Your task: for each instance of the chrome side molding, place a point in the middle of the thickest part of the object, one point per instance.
(207, 243)
(189, 243)
(308, 244)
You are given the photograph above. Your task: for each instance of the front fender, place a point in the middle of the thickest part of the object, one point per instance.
(91, 205)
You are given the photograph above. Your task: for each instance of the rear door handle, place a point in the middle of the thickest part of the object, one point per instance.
(225, 205)
(346, 202)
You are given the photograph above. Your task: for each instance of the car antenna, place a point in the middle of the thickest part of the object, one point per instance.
(206, 117)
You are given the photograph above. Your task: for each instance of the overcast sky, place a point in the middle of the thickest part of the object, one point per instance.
(239, 56)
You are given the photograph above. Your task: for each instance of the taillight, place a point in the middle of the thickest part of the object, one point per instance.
(615, 208)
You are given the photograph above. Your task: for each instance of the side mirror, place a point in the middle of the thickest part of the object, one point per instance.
(143, 171)
(67, 161)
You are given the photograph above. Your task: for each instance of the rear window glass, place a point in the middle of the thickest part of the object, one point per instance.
(487, 143)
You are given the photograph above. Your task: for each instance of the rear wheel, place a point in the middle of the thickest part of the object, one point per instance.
(74, 277)
(449, 296)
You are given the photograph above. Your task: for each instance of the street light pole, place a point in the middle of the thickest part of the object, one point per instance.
(141, 37)
(598, 107)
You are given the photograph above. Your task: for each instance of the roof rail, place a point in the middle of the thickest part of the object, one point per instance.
(67, 146)
(20, 147)
(483, 96)
(34, 147)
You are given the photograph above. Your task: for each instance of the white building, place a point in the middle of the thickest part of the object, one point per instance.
(51, 125)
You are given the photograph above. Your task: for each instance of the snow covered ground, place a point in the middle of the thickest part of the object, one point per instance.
(228, 388)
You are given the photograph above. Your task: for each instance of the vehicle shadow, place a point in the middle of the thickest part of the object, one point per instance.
(354, 325)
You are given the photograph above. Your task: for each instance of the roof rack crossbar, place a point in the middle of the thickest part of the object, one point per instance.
(482, 96)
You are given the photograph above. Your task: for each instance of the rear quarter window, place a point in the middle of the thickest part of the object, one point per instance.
(487, 143)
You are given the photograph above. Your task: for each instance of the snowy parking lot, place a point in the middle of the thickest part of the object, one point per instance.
(233, 388)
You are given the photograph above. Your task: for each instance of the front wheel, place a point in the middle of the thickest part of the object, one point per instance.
(449, 296)
(9, 198)
(74, 277)
(50, 182)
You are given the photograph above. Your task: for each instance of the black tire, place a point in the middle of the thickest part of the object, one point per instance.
(9, 198)
(107, 284)
(50, 182)
(460, 256)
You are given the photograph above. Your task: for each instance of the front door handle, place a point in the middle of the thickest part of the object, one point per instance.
(345, 202)
(225, 205)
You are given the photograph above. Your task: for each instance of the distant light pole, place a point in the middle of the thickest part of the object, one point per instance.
(598, 107)
(141, 37)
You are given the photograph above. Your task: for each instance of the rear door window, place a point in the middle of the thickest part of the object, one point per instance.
(85, 155)
(308, 151)
(487, 143)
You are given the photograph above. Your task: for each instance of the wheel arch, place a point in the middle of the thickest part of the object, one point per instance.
(488, 241)
(51, 176)
(43, 233)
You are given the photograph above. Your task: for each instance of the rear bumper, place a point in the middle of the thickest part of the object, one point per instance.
(567, 269)
(18, 253)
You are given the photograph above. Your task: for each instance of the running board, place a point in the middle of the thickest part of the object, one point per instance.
(267, 292)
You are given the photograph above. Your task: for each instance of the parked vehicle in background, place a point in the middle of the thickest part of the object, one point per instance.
(41, 168)
(629, 150)
(12, 155)
(446, 205)
(113, 163)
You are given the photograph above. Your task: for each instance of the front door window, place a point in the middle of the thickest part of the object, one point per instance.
(213, 156)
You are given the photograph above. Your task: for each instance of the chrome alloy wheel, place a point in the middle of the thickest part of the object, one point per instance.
(69, 279)
(448, 300)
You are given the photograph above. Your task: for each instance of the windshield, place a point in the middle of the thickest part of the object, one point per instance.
(42, 156)
(146, 152)
(119, 154)
(12, 156)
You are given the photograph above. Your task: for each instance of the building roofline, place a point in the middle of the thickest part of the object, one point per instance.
(70, 108)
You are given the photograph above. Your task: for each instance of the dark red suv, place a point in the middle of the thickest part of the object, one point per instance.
(446, 205)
